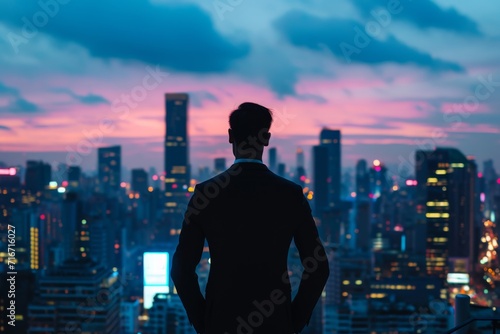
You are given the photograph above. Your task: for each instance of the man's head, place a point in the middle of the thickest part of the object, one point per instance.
(249, 130)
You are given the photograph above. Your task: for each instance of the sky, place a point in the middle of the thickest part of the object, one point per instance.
(394, 76)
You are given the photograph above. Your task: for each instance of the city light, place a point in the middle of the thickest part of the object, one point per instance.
(114, 113)
(8, 171)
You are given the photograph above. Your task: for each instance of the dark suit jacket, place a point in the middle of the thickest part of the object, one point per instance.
(249, 216)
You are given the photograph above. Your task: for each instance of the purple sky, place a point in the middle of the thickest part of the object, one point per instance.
(393, 76)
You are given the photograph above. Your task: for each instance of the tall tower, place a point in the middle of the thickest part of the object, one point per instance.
(109, 168)
(331, 140)
(219, 165)
(273, 159)
(300, 171)
(37, 176)
(300, 157)
(446, 187)
(320, 177)
(140, 181)
(362, 207)
(177, 171)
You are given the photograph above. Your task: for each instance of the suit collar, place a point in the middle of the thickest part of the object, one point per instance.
(250, 165)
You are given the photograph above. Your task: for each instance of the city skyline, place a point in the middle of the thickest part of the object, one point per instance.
(408, 86)
(114, 151)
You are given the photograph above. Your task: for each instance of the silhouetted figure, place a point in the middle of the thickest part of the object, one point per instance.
(249, 216)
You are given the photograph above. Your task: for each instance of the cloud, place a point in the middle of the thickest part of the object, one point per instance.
(89, 99)
(312, 97)
(422, 13)
(347, 40)
(178, 36)
(198, 98)
(7, 91)
(92, 99)
(15, 103)
(5, 128)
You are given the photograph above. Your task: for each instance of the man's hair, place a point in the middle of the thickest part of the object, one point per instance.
(250, 120)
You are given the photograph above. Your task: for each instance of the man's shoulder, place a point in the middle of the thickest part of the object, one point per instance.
(286, 183)
(221, 178)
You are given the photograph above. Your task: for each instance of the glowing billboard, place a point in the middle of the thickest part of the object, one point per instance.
(458, 278)
(156, 275)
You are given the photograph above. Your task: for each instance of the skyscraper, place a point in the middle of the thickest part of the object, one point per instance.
(282, 170)
(140, 181)
(300, 171)
(109, 169)
(37, 176)
(177, 171)
(446, 185)
(300, 157)
(362, 207)
(219, 165)
(320, 177)
(331, 140)
(332, 212)
(74, 175)
(272, 159)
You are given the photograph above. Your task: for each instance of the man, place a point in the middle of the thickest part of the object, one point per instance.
(249, 217)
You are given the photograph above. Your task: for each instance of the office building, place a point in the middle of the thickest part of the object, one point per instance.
(140, 181)
(37, 177)
(446, 180)
(331, 140)
(78, 296)
(219, 165)
(177, 171)
(129, 316)
(109, 169)
(320, 179)
(74, 176)
(282, 170)
(273, 159)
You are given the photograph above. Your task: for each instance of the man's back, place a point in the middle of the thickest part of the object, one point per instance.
(249, 216)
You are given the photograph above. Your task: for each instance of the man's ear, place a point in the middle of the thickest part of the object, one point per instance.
(266, 138)
(230, 133)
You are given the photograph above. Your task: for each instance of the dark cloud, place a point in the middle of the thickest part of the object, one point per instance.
(348, 41)
(198, 98)
(89, 99)
(179, 36)
(92, 99)
(5, 128)
(8, 91)
(15, 102)
(20, 105)
(422, 13)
